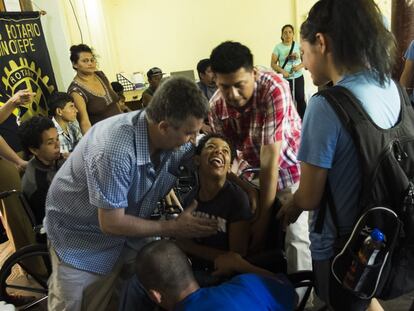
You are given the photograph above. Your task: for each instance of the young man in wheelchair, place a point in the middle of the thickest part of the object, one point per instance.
(218, 257)
(40, 139)
(217, 198)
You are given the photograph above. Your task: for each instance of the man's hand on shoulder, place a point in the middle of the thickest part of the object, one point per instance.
(189, 226)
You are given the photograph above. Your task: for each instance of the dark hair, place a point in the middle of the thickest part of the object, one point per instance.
(202, 142)
(203, 65)
(175, 100)
(286, 26)
(358, 35)
(231, 56)
(162, 266)
(75, 50)
(58, 100)
(30, 132)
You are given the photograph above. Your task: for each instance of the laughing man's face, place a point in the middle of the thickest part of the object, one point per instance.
(215, 158)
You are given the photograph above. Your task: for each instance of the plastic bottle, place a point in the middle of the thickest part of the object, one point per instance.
(358, 272)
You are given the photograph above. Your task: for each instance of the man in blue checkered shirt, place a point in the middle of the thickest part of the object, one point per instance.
(99, 203)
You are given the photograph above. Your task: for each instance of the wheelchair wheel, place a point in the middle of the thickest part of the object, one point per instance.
(26, 273)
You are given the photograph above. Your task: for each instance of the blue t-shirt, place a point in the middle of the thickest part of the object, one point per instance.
(282, 51)
(326, 143)
(245, 292)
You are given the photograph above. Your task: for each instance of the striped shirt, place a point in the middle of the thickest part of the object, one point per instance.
(110, 168)
(268, 117)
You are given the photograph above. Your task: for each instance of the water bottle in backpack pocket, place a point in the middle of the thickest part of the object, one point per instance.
(364, 262)
(361, 266)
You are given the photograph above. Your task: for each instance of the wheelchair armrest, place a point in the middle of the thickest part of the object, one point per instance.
(39, 229)
(248, 174)
(250, 170)
(302, 279)
(5, 194)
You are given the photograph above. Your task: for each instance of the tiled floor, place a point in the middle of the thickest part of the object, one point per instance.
(400, 304)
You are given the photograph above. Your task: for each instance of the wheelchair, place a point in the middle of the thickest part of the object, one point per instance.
(32, 261)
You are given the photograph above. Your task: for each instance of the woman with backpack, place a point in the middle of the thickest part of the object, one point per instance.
(347, 43)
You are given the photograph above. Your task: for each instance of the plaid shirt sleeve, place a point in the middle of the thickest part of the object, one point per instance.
(277, 99)
(213, 117)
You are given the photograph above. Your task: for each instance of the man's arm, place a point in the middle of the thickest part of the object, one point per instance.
(201, 251)
(268, 177)
(308, 196)
(239, 234)
(116, 222)
(230, 263)
(238, 242)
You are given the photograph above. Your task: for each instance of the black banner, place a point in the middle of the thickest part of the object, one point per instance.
(25, 62)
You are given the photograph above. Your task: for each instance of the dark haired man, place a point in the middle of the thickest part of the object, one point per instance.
(166, 275)
(64, 112)
(206, 84)
(39, 137)
(254, 109)
(100, 201)
(154, 76)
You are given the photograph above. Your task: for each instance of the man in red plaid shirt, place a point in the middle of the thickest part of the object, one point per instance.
(255, 110)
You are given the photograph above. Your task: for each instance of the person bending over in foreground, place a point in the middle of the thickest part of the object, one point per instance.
(165, 272)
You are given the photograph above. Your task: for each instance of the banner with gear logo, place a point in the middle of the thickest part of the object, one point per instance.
(25, 62)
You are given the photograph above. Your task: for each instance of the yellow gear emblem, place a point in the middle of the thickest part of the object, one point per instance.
(24, 76)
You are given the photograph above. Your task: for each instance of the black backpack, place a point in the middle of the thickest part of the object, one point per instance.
(386, 200)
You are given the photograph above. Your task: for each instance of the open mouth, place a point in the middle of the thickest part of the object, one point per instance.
(216, 162)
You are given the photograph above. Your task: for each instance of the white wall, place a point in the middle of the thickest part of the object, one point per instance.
(96, 32)
(134, 35)
(176, 34)
(57, 35)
